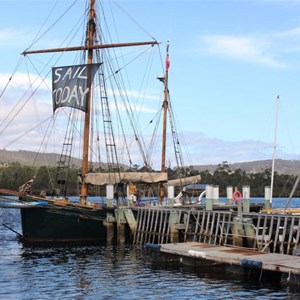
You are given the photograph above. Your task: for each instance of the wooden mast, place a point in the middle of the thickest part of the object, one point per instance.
(91, 47)
(164, 133)
(86, 135)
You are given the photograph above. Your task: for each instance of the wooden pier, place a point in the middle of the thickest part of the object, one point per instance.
(263, 245)
(197, 254)
(264, 232)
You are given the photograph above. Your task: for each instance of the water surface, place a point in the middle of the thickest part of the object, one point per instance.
(111, 273)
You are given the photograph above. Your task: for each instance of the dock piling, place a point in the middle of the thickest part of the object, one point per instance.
(237, 232)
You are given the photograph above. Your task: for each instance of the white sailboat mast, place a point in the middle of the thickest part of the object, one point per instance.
(274, 150)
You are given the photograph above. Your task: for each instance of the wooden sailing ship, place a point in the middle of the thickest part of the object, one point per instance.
(56, 219)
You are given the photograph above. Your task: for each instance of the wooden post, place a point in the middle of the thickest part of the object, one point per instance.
(173, 221)
(246, 199)
(109, 195)
(120, 221)
(110, 232)
(237, 232)
(170, 195)
(229, 192)
(250, 232)
(209, 197)
(267, 197)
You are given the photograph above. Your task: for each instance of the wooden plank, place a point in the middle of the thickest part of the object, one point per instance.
(152, 233)
(155, 227)
(147, 225)
(130, 220)
(137, 239)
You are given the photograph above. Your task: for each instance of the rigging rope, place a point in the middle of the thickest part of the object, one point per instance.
(132, 19)
(123, 94)
(37, 37)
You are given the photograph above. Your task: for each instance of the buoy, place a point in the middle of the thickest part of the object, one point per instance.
(237, 196)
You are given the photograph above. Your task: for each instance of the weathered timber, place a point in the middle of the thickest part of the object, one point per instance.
(287, 266)
(265, 232)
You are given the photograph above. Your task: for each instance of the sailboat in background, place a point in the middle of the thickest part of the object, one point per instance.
(274, 152)
(79, 92)
(269, 200)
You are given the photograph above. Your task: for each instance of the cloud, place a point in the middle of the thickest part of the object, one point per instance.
(5, 35)
(272, 50)
(294, 32)
(141, 103)
(23, 110)
(26, 112)
(206, 150)
(249, 49)
(15, 37)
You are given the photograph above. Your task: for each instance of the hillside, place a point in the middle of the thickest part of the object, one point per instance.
(29, 158)
(289, 167)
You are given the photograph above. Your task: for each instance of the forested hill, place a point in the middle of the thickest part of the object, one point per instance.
(28, 158)
(288, 167)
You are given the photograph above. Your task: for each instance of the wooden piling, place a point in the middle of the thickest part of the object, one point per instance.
(109, 223)
(120, 222)
(237, 232)
(173, 221)
(249, 232)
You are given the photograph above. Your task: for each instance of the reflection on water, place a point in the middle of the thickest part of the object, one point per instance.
(113, 273)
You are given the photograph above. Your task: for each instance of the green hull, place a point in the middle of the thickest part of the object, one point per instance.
(62, 225)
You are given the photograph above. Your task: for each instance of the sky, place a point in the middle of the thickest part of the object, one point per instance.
(230, 62)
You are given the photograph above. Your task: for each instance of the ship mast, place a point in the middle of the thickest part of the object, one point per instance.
(90, 46)
(165, 110)
(274, 152)
(86, 135)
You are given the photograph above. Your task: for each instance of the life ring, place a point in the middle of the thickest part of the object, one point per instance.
(237, 196)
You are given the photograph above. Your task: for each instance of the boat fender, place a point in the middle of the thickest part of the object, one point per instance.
(237, 196)
(155, 247)
(251, 263)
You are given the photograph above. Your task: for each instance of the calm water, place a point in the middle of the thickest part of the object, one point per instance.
(110, 273)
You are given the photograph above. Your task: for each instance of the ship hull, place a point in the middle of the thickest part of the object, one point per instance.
(62, 225)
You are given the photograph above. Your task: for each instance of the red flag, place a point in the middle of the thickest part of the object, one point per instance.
(167, 62)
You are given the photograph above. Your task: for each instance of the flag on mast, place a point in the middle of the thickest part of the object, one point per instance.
(167, 62)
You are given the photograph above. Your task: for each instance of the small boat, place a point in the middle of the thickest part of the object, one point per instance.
(80, 93)
(21, 204)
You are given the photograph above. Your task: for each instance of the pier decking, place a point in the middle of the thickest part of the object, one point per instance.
(286, 265)
(263, 245)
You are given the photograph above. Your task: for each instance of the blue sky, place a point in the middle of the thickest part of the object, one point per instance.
(230, 59)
